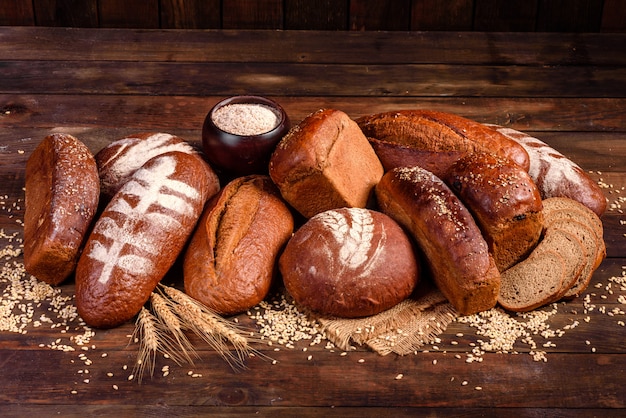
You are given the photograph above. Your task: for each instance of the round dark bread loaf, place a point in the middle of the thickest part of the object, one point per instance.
(62, 190)
(138, 237)
(231, 260)
(349, 262)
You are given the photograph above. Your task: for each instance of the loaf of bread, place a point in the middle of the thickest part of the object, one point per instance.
(456, 252)
(555, 174)
(349, 262)
(504, 201)
(423, 134)
(62, 190)
(325, 162)
(122, 157)
(231, 259)
(138, 237)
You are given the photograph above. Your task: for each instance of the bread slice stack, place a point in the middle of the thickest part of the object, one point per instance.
(561, 266)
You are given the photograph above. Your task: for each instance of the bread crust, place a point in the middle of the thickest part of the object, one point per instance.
(62, 194)
(555, 174)
(427, 131)
(138, 237)
(453, 246)
(325, 162)
(230, 263)
(504, 201)
(349, 262)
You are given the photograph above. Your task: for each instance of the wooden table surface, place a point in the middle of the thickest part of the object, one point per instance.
(98, 84)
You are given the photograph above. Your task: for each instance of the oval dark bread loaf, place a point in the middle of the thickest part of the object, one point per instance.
(433, 140)
(325, 162)
(138, 237)
(555, 174)
(232, 258)
(62, 190)
(349, 262)
(504, 201)
(122, 157)
(455, 250)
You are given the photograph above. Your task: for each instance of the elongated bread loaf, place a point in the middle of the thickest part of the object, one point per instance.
(422, 134)
(62, 190)
(454, 248)
(555, 174)
(139, 236)
(232, 257)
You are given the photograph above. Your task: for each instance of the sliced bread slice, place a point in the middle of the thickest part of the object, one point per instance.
(588, 240)
(532, 282)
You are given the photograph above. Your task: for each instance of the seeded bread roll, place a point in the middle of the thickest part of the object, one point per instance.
(555, 174)
(349, 262)
(231, 260)
(433, 140)
(122, 157)
(504, 202)
(62, 189)
(325, 162)
(454, 248)
(139, 235)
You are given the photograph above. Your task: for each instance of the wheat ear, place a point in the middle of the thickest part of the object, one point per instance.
(147, 333)
(211, 327)
(181, 348)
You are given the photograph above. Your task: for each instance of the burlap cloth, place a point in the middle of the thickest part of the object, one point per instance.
(402, 329)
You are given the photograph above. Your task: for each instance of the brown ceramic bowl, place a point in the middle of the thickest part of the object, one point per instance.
(242, 154)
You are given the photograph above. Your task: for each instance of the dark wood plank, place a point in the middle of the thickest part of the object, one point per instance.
(188, 112)
(613, 16)
(320, 15)
(435, 15)
(248, 14)
(17, 13)
(312, 47)
(190, 14)
(145, 78)
(392, 15)
(569, 15)
(69, 13)
(505, 15)
(125, 14)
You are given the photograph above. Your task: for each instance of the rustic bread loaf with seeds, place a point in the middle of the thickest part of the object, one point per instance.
(455, 251)
(349, 262)
(434, 140)
(325, 162)
(555, 174)
(231, 259)
(533, 282)
(62, 190)
(138, 237)
(504, 202)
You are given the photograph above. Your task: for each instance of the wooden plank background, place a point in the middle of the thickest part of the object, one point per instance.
(333, 15)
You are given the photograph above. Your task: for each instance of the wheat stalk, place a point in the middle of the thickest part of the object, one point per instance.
(147, 333)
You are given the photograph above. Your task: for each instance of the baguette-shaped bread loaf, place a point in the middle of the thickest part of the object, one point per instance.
(62, 190)
(325, 162)
(504, 201)
(422, 134)
(232, 257)
(455, 250)
(138, 237)
(555, 174)
(122, 157)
